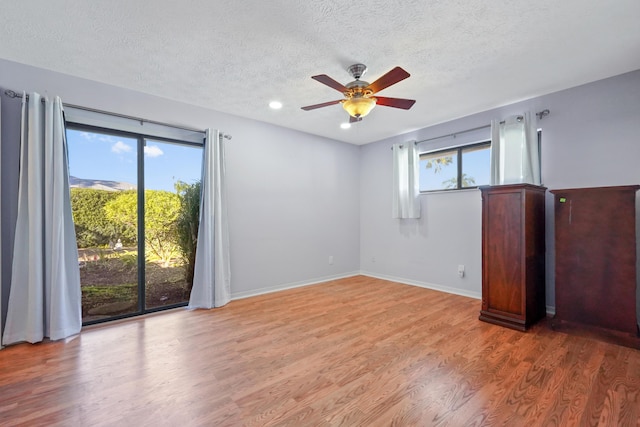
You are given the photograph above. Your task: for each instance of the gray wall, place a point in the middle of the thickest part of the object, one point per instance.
(296, 199)
(590, 139)
(293, 197)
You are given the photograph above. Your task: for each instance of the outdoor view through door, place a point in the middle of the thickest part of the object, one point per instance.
(133, 195)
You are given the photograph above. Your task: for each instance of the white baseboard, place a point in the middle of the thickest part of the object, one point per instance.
(282, 287)
(447, 289)
(551, 311)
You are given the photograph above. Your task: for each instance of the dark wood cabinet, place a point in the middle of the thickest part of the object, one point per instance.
(595, 246)
(513, 255)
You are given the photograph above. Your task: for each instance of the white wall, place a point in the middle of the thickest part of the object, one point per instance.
(590, 139)
(293, 197)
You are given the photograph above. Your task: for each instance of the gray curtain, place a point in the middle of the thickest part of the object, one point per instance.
(1, 227)
(212, 271)
(45, 297)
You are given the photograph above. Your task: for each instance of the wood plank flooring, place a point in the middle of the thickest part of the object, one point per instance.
(352, 352)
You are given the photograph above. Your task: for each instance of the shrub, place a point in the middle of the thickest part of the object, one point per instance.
(93, 228)
(161, 211)
(187, 226)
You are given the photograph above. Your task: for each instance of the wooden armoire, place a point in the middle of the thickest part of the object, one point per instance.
(595, 254)
(513, 255)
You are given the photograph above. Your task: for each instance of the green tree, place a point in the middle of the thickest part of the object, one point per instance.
(467, 181)
(437, 163)
(161, 212)
(187, 226)
(92, 226)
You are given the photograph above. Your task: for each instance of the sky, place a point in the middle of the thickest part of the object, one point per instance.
(474, 163)
(114, 158)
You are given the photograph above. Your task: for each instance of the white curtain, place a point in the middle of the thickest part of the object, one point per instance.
(211, 276)
(515, 155)
(406, 190)
(1, 229)
(44, 298)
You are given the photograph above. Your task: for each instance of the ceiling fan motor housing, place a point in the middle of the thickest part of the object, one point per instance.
(358, 88)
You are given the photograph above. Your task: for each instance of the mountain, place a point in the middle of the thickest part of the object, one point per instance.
(98, 184)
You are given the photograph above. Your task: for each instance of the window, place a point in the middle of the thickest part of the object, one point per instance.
(135, 203)
(455, 168)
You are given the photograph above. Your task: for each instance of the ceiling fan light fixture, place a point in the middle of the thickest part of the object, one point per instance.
(358, 95)
(359, 106)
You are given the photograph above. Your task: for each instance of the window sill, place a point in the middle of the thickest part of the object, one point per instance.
(461, 190)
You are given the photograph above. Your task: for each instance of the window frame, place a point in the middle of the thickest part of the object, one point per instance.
(459, 151)
(141, 140)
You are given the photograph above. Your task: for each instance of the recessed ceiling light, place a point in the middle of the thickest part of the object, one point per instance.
(276, 105)
(345, 125)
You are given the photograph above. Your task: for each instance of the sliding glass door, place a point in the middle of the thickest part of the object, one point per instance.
(172, 201)
(135, 205)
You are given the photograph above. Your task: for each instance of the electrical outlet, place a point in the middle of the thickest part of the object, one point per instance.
(331, 260)
(373, 259)
(461, 270)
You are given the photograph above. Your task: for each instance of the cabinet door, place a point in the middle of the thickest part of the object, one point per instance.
(503, 253)
(596, 257)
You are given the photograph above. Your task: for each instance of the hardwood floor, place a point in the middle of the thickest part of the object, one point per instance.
(352, 352)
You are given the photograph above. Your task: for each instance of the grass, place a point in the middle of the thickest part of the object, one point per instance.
(110, 293)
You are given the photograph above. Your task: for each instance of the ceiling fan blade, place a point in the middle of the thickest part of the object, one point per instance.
(405, 104)
(354, 119)
(324, 79)
(391, 78)
(324, 104)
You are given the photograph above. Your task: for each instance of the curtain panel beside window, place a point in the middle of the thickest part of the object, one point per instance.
(1, 230)
(212, 272)
(406, 186)
(45, 296)
(515, 154)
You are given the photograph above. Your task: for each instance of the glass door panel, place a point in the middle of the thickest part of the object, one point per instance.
(172, 202)
(103, 171)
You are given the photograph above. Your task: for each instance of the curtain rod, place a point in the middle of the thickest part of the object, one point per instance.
(541, 114)
(13, 94)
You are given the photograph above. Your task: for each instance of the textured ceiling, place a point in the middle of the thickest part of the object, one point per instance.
(464, 56)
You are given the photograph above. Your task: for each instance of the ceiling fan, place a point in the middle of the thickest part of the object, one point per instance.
(359, 99)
